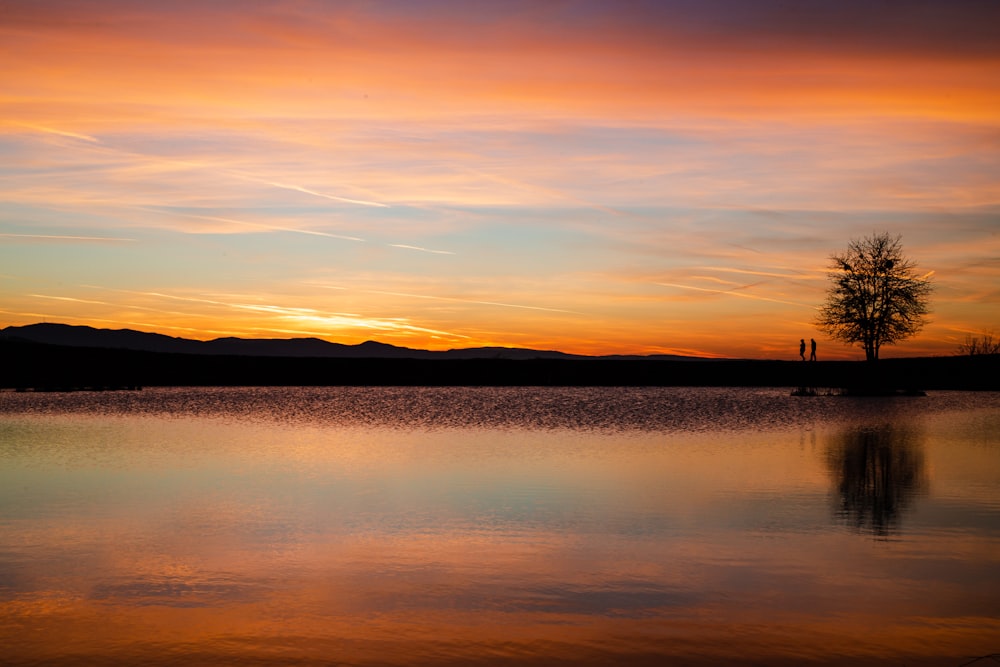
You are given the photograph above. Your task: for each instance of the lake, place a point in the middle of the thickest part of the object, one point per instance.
(488, 526)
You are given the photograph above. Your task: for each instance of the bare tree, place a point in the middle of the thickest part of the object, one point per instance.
(876, 297)
(985, 343)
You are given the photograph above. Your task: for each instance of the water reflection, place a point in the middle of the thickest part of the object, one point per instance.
(513, 526)
(878, 470)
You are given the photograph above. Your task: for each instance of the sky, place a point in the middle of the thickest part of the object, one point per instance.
(593, 176)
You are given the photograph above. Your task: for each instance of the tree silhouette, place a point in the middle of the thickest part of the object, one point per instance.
(985, 343)
(876, 297)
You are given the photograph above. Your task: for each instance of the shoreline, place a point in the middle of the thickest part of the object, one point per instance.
(26, 365)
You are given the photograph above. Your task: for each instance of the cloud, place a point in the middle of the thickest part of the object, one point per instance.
(470, 301)
(346, 200)
(735, 292)
(413, 247)
(271, 227)
(61, 133)
(795, 274)
(327, 322)
(580, 60)
(61, 237)
(560, 153)
(67, 298)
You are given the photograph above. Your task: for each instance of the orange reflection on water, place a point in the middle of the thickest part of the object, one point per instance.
(279, 629)
(219, 541)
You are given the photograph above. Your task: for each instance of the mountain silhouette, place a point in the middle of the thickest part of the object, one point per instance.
(59, 357)
(130, 339)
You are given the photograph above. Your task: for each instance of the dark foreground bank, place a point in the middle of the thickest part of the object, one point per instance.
(49, 367)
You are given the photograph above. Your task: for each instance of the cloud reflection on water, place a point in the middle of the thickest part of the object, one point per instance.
(456, 526)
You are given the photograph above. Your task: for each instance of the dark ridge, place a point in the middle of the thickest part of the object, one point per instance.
(129, 339)
(29, 365)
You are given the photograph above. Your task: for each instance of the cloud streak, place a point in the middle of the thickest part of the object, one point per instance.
(314, 193)
(65, 237)
(450, 299)
(736, 291)
(418, 248)
(328, 322)
(269, 227)
(61, 133)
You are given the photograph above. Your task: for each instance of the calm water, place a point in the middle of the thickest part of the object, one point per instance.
(454, 526)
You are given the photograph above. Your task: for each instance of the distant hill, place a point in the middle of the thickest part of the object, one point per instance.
(129, 339)
(35, 366)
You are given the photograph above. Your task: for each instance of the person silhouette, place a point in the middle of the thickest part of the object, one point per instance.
(812, 354)
(802, 348)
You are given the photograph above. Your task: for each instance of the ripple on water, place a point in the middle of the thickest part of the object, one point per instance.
(684, 409)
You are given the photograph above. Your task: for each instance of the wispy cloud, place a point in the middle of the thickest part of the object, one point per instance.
(329, 322)
(64, 237)
(429, 250)
(137, 162)
(271, 227)
(61, 133)
(796, 274)
(314, 193)
(550, 194)
(117, 305)
(67, 298)
(451, 299)
(735, 292)
(713, 279)
(564, 154)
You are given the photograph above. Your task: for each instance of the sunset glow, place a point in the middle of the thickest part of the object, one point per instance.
(594, 177)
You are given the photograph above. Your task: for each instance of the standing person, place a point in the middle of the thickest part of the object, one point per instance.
(802, 348)
(812, 344)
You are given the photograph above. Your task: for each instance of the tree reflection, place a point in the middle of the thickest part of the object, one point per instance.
(878, 471)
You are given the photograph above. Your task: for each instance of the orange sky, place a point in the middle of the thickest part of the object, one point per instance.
(596, 177)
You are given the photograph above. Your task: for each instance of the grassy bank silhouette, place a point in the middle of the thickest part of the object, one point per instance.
(39, 366)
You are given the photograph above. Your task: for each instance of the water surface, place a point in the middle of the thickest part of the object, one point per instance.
(448, 526)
